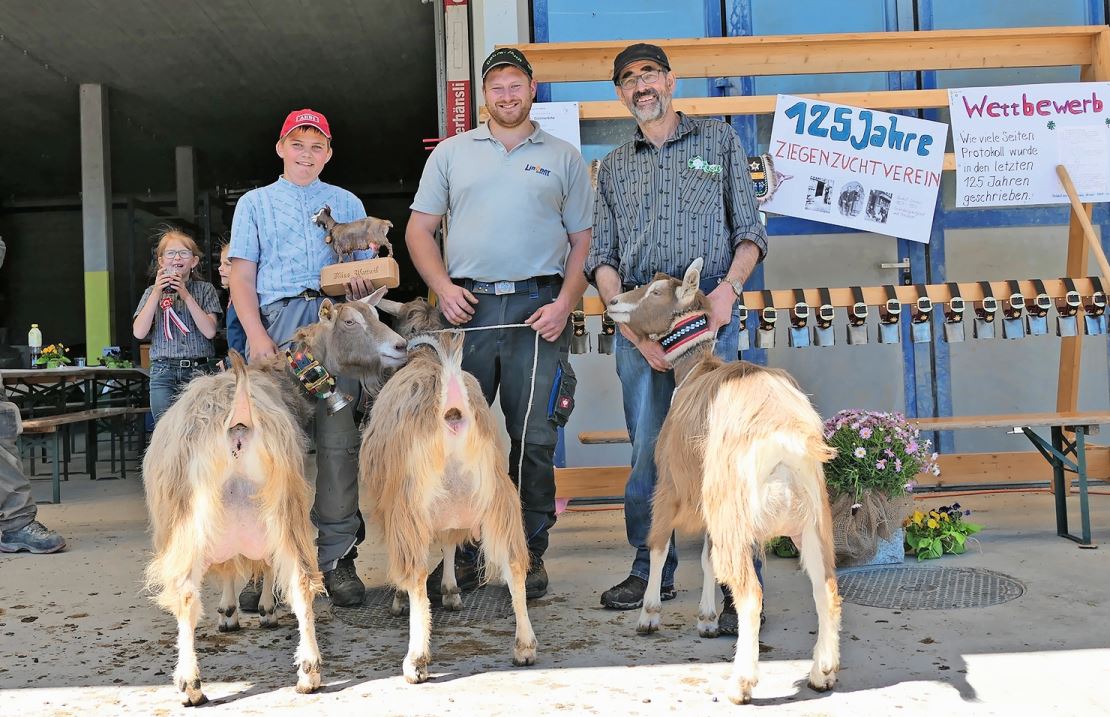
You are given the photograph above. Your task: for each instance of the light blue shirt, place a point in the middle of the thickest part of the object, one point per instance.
(273, 228)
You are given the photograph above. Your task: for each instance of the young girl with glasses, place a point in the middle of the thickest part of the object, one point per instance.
(178, 314)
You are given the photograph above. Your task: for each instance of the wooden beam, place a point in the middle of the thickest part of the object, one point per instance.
(956, 470)
(829, 53)
(876, 295)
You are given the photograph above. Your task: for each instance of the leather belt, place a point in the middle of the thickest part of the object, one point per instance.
(184, 363)
(501, 288)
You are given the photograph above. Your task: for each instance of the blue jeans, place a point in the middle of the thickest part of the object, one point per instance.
(167, 379)
(647, 398)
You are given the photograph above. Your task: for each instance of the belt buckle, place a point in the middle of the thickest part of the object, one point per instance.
(504, 287)
(184, 363)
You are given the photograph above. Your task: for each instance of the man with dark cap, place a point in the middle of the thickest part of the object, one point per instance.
(678, 190)
(518, 230)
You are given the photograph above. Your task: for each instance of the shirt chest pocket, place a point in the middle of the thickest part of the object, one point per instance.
(699, 191)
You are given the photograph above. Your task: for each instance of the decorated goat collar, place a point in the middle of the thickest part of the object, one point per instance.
(687, 331)
(315, 379)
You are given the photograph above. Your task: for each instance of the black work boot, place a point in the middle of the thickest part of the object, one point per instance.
(629, 595)
(727, 622)
(343, 583)
(33, 537)
(251, 594)
(535, 582)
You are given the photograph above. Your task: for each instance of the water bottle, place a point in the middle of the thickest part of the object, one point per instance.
(34, 341)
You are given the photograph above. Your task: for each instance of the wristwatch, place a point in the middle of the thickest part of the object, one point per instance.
(737, 286)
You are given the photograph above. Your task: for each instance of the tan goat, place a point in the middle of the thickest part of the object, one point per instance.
(226, 490)
(433, 469)
(740, 456)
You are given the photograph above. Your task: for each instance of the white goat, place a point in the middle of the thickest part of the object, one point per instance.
(226, 490)
(433, 469)
(740, 456)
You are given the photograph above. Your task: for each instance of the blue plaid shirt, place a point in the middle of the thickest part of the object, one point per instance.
(273, 228)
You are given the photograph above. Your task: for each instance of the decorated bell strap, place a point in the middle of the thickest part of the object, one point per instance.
(825, 312)
(799, 315)
(858, 315)
(170, 319)
(923, 308)
(1096, 306)
(769, 314)
(1072, 300)
(1041, 303)
(1016, 303)
(686, 332)
(892, 309)
(954, 312)
(987, 308)
(310, 373)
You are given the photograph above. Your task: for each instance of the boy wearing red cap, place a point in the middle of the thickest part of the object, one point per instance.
(277, 252)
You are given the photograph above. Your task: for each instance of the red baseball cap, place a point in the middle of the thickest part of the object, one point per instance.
(305, 118)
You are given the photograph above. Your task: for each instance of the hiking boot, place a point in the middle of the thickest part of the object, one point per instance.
(629, 594)
(468, 575)
(535, 583)
(251, 594)
(343, 583)
(33, 537)
(727, 622)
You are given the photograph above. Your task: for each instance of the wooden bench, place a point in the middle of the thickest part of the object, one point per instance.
(47, 431)
(1064, 454)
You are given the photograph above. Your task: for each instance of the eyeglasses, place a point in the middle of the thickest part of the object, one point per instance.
(650, 78)
(177, 254)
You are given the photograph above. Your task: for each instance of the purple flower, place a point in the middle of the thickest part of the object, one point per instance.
(860, 452)
(912, 447)
(910, 486)
(865, 433)
(889, 453)
(880, 464)
(897, 465)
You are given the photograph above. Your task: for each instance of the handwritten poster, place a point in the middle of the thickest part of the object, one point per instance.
(1008, 141)
(856, 168)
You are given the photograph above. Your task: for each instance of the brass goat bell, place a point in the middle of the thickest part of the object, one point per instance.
(605, 338)
(580, 338)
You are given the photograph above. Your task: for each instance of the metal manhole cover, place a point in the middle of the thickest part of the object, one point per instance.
(920, 588)
(481, 606)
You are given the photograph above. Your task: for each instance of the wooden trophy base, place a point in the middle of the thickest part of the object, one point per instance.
(380, 272)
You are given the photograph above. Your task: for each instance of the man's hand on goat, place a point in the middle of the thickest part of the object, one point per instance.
(456, 303)
(261, 346)
(721, 302)
(650, 350)
(359, 287)
(550, 320)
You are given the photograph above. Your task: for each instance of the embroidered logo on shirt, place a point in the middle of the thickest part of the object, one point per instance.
(538, 170)
(700, 164)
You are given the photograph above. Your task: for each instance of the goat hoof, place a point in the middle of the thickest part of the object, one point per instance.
(821, 681)
(524, 655)
(228, 624)
(269, 620)
(743, 693)
(415, 670)
(649, 622)
(452, 601)
(308, 677)
(708, 629)
(192, 696)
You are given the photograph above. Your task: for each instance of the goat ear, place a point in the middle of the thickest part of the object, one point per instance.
(327, 310)
(393, 308)
(686, 292)
(376, 297)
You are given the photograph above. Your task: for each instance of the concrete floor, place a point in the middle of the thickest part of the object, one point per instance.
(78, 638)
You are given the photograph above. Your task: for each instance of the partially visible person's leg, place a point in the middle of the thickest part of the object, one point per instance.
(18, 528)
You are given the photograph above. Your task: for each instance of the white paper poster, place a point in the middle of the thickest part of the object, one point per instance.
(1008, 141)
(559, 119)
(856, 168)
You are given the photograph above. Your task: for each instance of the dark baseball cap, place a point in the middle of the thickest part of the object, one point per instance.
(639, 51)
(506, 56)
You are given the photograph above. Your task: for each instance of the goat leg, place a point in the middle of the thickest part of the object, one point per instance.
(449, 586)
(652, 609)
(299, 593)
(748, 597)
(229, 616)
(524, 647)
(415, 666)
(816, 555)
(707, 609)
(186, 675)
(267, 610)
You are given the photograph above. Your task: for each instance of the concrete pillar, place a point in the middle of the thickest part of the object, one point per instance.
(96, 216)
(185, 165)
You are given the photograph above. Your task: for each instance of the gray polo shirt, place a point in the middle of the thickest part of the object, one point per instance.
(508, 213)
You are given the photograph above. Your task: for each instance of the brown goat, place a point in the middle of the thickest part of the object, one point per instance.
(433, 468)
(361, 234)
(740, 456)
(226, 490)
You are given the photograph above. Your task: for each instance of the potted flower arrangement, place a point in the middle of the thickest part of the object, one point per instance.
(941, 530)
(870, 481)
(53, 356)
